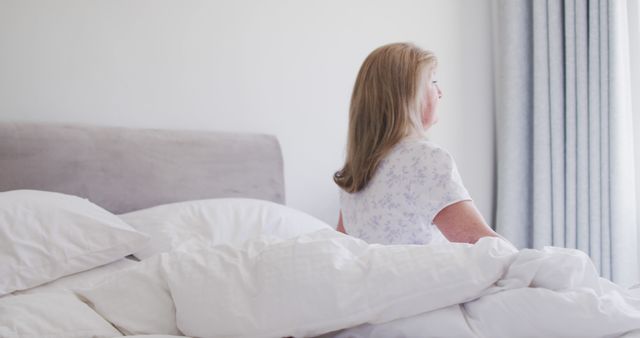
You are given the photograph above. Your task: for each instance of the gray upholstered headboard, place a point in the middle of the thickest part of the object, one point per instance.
(125, 169)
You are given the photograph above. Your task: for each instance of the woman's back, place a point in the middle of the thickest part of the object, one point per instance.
(411, 185)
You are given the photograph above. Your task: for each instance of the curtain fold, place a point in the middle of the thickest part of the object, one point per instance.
(565, 171)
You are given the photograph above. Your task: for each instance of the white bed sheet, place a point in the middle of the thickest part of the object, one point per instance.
(313, 285)
(83, 279)
(325, 281)
(53, 310)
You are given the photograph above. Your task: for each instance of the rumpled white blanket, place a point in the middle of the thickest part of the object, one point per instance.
(326, 281)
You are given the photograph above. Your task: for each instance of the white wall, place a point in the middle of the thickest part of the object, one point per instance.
(279, 67)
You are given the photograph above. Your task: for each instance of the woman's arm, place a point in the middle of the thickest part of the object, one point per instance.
(462, 222)
(340, 226)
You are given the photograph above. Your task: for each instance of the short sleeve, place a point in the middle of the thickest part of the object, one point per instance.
(438, 182)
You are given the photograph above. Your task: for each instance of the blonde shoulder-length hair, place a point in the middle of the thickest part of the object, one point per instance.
(386, 106)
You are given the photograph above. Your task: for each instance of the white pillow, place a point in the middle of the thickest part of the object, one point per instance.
(52, 316)
(231, 221)
(47, 235)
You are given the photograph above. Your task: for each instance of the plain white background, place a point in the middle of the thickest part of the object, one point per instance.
(279, 67)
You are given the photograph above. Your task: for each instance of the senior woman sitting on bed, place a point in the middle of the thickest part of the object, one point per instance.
(398, 187)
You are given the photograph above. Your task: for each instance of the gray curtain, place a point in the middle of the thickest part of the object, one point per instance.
(565, 161)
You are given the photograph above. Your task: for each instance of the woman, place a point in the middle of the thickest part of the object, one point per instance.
(398, 187)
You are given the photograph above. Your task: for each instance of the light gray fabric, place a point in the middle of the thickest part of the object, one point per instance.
(564, 138)
(124, 169)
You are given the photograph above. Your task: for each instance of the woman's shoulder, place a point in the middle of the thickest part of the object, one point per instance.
(422, 148)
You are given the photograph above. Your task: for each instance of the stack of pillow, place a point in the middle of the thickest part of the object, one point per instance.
(48, 237)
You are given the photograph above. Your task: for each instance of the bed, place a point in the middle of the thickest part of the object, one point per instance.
(212, 251)
(126, 169)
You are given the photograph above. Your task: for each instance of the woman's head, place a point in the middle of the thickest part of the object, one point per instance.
(393, 86)
(393, 97)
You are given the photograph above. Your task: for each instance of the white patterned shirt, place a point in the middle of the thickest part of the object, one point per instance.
(412, 184)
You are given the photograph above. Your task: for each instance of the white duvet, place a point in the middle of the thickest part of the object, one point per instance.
(326, 281)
